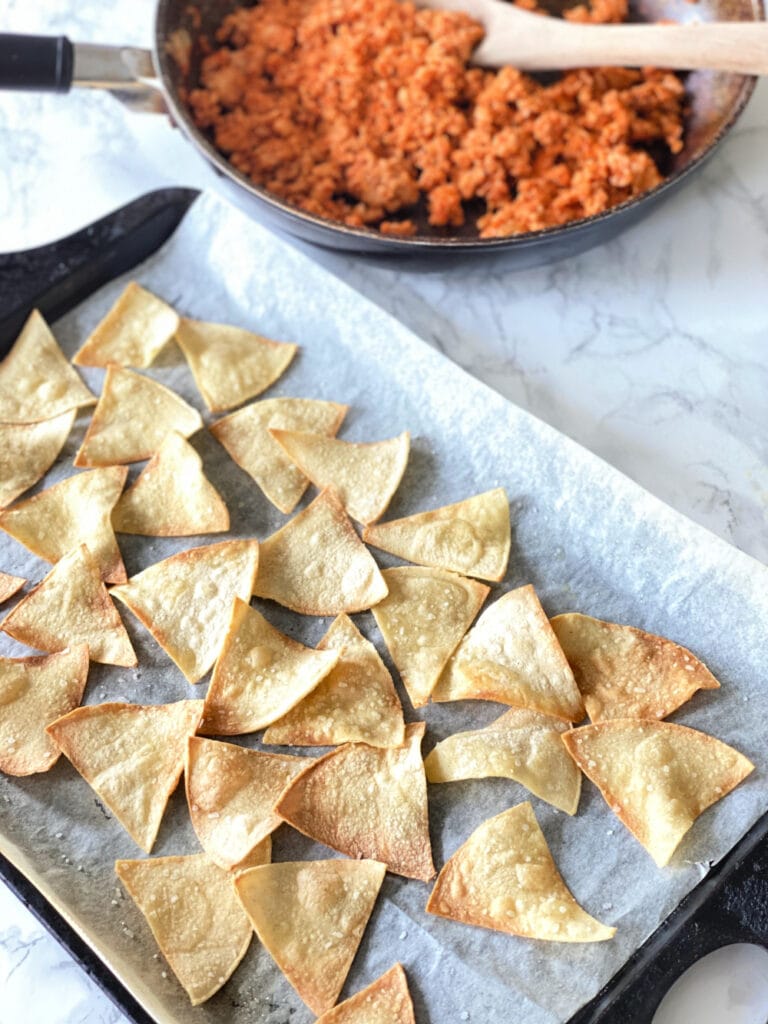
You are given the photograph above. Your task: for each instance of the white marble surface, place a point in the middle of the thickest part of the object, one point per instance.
(651, 351)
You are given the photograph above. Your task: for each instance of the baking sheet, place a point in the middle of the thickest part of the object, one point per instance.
(586, 537)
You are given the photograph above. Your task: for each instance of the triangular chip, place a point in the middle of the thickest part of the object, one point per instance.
(71, 606)
(623, 672)
(230, 364)
(36, 381)
(132, 755)
(512, 655)
(365, 476)
(655, 776)
(33, 693)
(132, 419)
(367, 802)
(231, 792)
(355, 703)
(422, 619)
(74, 511)
(195, 917)
(132, 333)
(27, 452)
(172, 497)
(520, 745)
(185, 601)
(260, 674)
(471, 537)
(10, 585)
(385, 1001)
(504, 878)
(310, 916)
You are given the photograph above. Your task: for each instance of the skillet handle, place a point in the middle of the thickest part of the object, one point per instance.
(36, 63)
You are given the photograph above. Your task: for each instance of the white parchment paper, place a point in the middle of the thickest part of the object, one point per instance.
(588, 539)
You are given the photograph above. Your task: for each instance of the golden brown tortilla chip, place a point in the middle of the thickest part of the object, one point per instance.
(260, 674)
(310, 916)
(195, 917)
(71, 606)
(172, 497)
(656, 777)
(132, 333)
(623, 672)
(185, 601)
(422, 619)
(385, 1001)
(9, 585)
(33, 693)
(132, 755)
(367, 802)
(355, 703)
(504, 878)
(27, 452)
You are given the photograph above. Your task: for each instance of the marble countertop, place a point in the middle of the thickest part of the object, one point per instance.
(652, 351)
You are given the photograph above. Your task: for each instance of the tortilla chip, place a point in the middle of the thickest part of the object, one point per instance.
(504, 878)
(27, 452)
(367, 802)
(132, 333)
(75, 511)
(230, 364)
(245, 435)
(422, 619)
(520, 745)
(385, 1001)
(185, 601)
(131, 755)
(365, 476)
(10, 585)
(71, 606)
(231, 792)
(656, 777)
(512, 655)
(317, 565)
(132, 419)
(36, 381)
(310, 916)
(195, 917)
(623, 672)
(471, 537)
(33, 693)
(260, 674)
(172, 497)
(355, 703)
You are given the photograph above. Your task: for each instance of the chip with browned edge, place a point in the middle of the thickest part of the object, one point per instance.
(132, 333)
(10, 585)
(385, 1001)
(28, 450)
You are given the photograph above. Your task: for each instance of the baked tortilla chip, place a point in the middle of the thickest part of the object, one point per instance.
(72, 606)
(132, 419)
(195, 917)
(520, 745)
(131, 755)
(74, 511)
(231, 793)
(656, 777)
(317, 565)
(171, 497)
(355, 703)
(512, 655)
(260, 674)
(623, 672)
(471, 537)
(367, 802)
(385, 1001)
(310, 916)
(185, 601)
(27, 452)
(10, 585)
(422, 619)
(230, 364)
(36, 381)
(365, 476)
(245, 435)
(504, 878)
(132, 333)
(33, 693)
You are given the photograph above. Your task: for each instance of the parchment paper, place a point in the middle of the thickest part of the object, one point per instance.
(588, 538)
